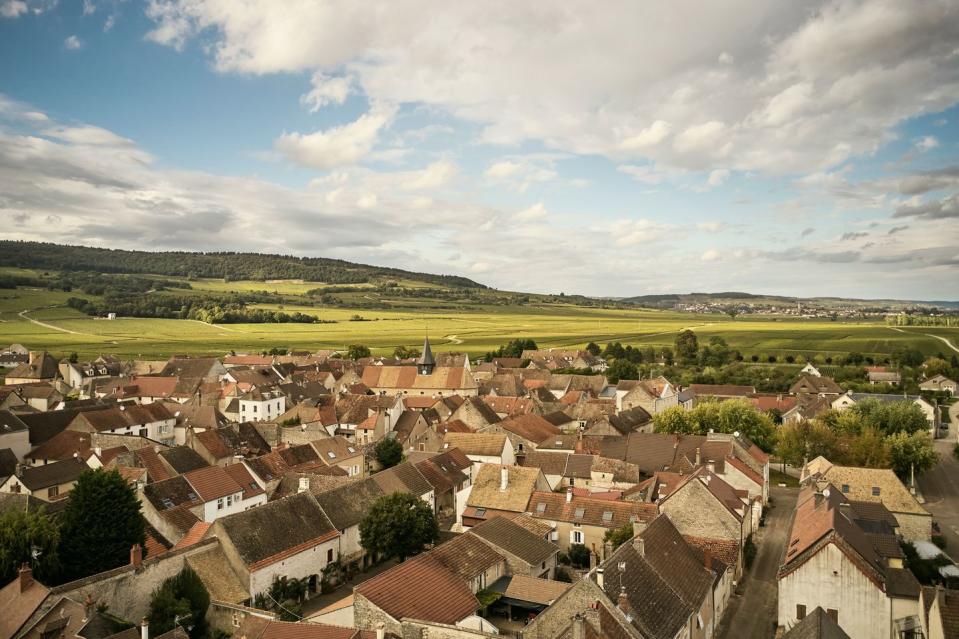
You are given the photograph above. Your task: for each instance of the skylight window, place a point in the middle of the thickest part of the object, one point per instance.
(331, 454)
(191, 495)
(607, 516)
(541, 507)
(579, 513)
(480, 512)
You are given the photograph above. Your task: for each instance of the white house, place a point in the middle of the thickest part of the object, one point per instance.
(851, 398)
(262, 405)
(809, 369)
(153, 421)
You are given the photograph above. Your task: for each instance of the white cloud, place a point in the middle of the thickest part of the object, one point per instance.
(650, 136)
(88, 7)
(12, 8)
(521, 172)
(711, 227)
(644, 174)
(432, 177)
(536, 212)
(503, 170)
(927, 143)
(326, 90)
(718, 177)
(109, 23)
(628, 233)
(341, 145)
(710, 256)
(795, 89)
(580, 183)
(73, 43)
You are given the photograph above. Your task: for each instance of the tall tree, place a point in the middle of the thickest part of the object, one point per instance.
(389, 452)
(799, 442)
(911, 452)
(28, 537)
(100, 524)
(398, 525)
(593, 349)
(621, 369)
(357, 351)
(686, 346)
(182, 596)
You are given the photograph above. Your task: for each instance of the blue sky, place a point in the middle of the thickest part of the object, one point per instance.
(809, 149)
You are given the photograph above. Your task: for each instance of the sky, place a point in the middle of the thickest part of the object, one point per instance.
(613, 149)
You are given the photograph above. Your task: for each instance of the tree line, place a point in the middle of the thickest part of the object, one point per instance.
(210, 309)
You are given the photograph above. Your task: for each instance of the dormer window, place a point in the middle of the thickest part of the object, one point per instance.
(875, 491)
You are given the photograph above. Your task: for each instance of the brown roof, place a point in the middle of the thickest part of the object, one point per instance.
(212, 482)
(439, 596)
(243, 478)
(157, 468)
(722, 390)
(408, 377)
(538, 591)
(52, 474)
(530, 427)
(126, 416)
(861, 481)
(453, 426)
(480, 444)
(18, 606)
(467, 556)
(511, 536)
(486, 492)
(258, 628)
(402, 478)
(589, 511)
(725, 550)
(62, 446)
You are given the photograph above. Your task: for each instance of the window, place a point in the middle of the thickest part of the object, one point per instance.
(576, 537)
(607, 516)
(219, 504)
(53, 491)
(229, 500)
(329, 556)
(845, 488)
(254, 408)
(480, 512)
(236, 619)
(579, 513)
(833, 614)
(800, 611)
(143, 432)
(875, 491)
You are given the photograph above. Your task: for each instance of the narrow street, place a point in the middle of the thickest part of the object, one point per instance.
(752, 610)
(940, 486)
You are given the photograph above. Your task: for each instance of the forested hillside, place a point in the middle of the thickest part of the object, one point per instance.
(233, 266)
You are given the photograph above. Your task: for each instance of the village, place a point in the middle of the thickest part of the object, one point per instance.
(310, 495)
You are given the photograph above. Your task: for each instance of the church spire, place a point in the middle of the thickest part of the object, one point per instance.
(426, 363)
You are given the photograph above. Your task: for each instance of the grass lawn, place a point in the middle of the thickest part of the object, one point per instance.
(776, 477)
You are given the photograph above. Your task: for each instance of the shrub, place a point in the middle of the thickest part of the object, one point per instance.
(579, 556)
(749, 552)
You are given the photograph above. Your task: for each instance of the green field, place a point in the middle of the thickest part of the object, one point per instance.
(473, 329)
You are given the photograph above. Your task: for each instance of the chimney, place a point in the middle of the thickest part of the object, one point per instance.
(708, 559)
(622, 602)
(579, 626)
(304, 485)
(26, 577)
(380, 632)
(569, 494)
(145, 628)
(639, 545)
(136, 555)
(699, 458)
(600, 578)
(503, 478)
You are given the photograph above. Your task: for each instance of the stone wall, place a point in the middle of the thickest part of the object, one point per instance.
(367, 616)
(914, 526)
(694, 511)
(554, 621)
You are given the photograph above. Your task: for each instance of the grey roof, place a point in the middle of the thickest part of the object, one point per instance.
(10, 423)
(183, 459)
(402, 478)
(54, 474)
(507, 535)
(426, 358)
(816, 625)
(347, 505)
(262, 532)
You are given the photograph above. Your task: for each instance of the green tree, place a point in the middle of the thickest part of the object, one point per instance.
(74, 358)
(892, 417)
(868, 449)
(908, 452)
(405, 352)
(686, 346)
(100, 524)
(674, 419)
(741, 416)
(389, 452)
(578, 555)
(619, 536)
(936, 366)
(357, 351)
(398, 525)
(593, 349)
(181, 596)
(283, 597)
(621, 369)
(25, 533)
(802, 441)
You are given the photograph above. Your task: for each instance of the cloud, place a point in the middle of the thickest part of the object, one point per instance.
(927, 143)
(12, 8)
(73, 43)
(521, 172)
(88, 7)
(644, 174)
(897, 229)
(710, 256)
(536, 212)
(326, 90)
(717, 177)
(919, 183)
(712, 227)
(790, 90)
(947, 207)
(634, 232)
(846, 237)
(807, 232)
(432, 177)
(110, 22)
(337, 146)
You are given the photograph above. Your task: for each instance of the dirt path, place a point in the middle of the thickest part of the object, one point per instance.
(943, 339)
(453, 339)
(23, 314)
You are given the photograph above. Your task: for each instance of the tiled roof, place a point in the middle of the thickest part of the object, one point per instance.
(816, 625)
(18, 606)
(439, 596)
(157, 468)
(408, 377)
(212, 482)
(479, 444)
(512, 537)
(522, 588)
(126, 416)
(812, 384)
(724, 550)
(548, 462)
(53, 474)
(182, 459)
(172, 493)
(589, 511)
(269, 533)
(243, 478)
(259, 628)
(62, 446)
(213, 569)
(180, 518)
(861, 481)
(466, 556)
(347, 505)
(486, 492)
(402, 478)
(193, 535)
(453, 426)
(530, 427)
(722, 390)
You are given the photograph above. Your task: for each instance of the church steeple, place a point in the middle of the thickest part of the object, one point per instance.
(425, 363)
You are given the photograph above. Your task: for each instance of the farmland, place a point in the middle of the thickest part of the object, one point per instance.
(474, 328)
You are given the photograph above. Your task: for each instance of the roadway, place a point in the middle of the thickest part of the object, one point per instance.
(940, 486)
(752, 612)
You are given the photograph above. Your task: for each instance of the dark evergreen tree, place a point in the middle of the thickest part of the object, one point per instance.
(398, 525)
